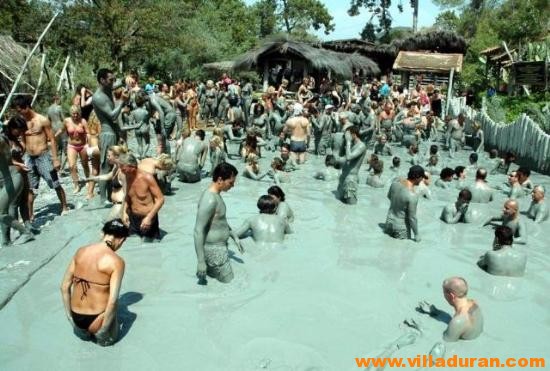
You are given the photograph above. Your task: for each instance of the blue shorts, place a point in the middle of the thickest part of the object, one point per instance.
(298, 146)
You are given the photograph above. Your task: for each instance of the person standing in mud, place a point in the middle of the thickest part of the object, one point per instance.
(107, 112)
(355, 151)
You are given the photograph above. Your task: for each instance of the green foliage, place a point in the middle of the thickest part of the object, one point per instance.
(379, 9)
(447, 20)
(507, 109)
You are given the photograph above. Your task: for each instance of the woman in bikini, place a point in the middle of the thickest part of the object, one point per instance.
(77, 129)
(91, 286)
(94, 128)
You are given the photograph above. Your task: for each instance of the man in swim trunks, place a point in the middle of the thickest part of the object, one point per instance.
(299, 129)
(211, 229)
(467, 322)
(37, 157)
(91, 286)
(401, 218)
(143, 201)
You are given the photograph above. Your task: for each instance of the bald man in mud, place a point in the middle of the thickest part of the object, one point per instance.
(143, 201)
(299, 128)
(467, 321)
(401, 218)
(510, 217)
(480, 190)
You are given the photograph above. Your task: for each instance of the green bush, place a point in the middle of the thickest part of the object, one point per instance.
(508, 109)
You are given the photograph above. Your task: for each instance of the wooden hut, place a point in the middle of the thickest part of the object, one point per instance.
(294, 60)
(435, 68)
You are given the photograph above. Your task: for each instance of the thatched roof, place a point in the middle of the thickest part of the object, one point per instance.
(12, 57)
(439, 41)
(340, 64)
(428, 62)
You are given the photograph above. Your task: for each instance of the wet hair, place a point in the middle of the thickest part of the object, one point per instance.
(481, 173)
(504, 235)
(396, 161)
(140, 99)
(434, 159)
(102, 73)
(415, 172)
(165, 162)
(523, 170)
(473, 157)
(456, 285)
(267, 204)
(224, 171)
(493, 153)
(277, 192)
(446, 173)
(259, 109)
(17, 122)
(200, 133)
(116, 228)
(278, 163)
(128, 159)
(459, 170)
(433, 149)
(233, 101)
(465, 195)
(22, 101)
(378, 166)
(330, 160)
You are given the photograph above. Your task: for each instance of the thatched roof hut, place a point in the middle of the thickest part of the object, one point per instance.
(307, 57)
(12, 58)
(418, 62)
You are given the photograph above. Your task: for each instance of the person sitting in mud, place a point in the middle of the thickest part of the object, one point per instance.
(252, 168)
(401, 218)
(162, 168)
(481, 191)
(212, 231)
(503, 166)
(423, 188)
(510, 217)
(395, 164)
(515, 190)
(473, 165)
(467, 321)
(374, 179)
(538, 210)
(458, 212)
(460, 177)
(267, 227)
(504, 260)
(413, 155)
(91, 286)
(190, 157)
(143, 200)
(432, 166)
(382, 147)
(445, 178)
(282, 207)
(523, 175)
(289, 164)
(250, 146)
(217, 153)
(330, 172)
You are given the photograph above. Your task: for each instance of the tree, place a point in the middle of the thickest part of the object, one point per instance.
(447, 20)
(378, 8)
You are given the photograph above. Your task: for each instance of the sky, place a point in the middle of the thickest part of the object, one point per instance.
(349, 27)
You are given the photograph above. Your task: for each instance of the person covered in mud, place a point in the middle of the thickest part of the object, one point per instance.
(91, 286)
(266, 227)
(282, 206)
(212, 231)
(445, 180)
(538, 210)
(480, 190)
(382, 147)
(459, 211)
(374, 179)
(510, 217)
(191, 156)
(504, 260)
(467, 321)
(401, 218)
(355, 152)
(330, 171)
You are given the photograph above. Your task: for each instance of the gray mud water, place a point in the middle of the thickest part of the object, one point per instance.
(337, 290)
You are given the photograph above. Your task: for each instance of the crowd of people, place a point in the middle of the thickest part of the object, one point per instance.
(341, 121)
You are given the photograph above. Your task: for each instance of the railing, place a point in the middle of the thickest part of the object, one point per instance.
(523, 137)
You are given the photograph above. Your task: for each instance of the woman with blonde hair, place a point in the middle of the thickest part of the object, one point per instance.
(217, 152)
(161, 167)
(77, 130)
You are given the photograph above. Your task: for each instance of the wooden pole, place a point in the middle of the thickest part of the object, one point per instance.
(63, 73)
(24, 67)
(266, 76)
(449, 91)
(42, 64)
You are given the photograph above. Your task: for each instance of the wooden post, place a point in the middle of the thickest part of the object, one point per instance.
(42, 64)
(63, 73)
(24, 67)
(449, 91)
(266, 76)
